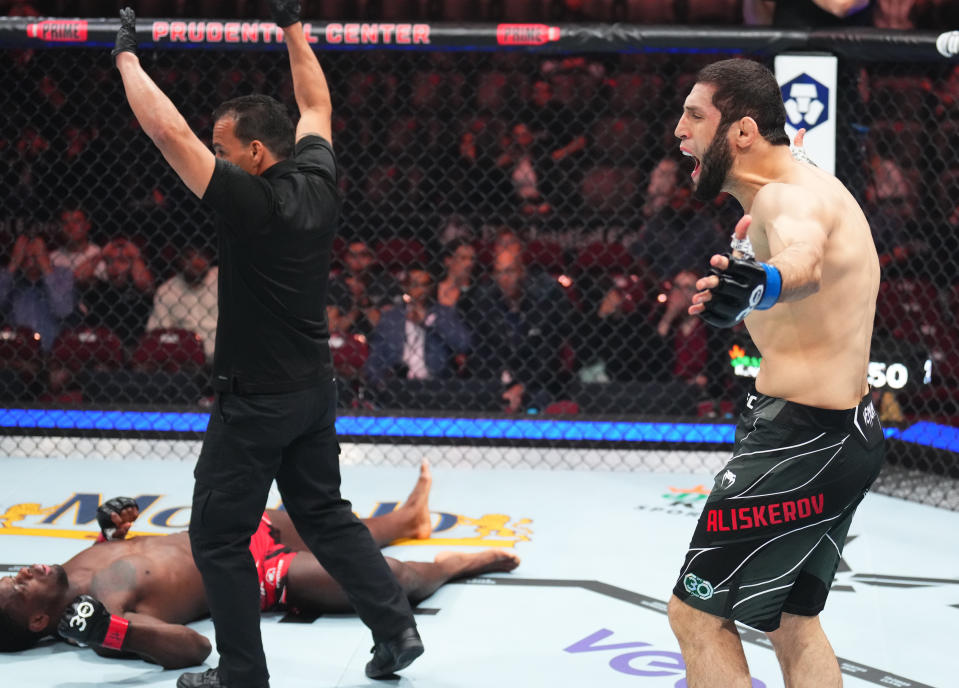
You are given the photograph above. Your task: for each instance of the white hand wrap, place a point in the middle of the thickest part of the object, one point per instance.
(744, 246)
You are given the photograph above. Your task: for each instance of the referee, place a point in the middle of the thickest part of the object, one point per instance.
(274, 193)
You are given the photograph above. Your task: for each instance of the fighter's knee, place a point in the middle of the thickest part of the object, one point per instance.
(680, 615)
(794, 629)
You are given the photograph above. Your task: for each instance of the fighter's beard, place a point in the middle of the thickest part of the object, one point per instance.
(715, 165)
(61, 574)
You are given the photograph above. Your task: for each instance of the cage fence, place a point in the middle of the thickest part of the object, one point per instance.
(518, 190)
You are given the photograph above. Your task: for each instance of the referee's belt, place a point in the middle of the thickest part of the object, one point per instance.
(236, 385)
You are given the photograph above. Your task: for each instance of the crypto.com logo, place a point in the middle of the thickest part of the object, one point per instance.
(806, 101)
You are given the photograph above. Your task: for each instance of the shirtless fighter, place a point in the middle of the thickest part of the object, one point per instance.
(804, 275)
(131, 597)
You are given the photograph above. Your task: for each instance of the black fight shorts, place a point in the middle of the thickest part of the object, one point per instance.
(771, 534)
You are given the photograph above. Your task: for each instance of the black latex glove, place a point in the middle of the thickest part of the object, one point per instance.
(127, 35)
(285, 12)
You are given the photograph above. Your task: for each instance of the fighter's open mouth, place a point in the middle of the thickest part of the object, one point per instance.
(696, 169)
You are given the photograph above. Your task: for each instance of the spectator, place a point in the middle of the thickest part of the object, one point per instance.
(948, 95)
(459, 259)
(33, 160)
(655, 341)
(520, 161)
(77, 252)
(681, 337)
(123, 300)
(809, 13)
(506, 240)
(454, 227)
(904, 15)
(418, 339)
(674, 234)
(33, 292)
(519, 323)
(362, 293)
(188, 300)
(479, 186)
(560, 132)
(892, 209)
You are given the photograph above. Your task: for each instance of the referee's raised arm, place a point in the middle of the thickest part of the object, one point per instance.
(161, 121)
(309, 83)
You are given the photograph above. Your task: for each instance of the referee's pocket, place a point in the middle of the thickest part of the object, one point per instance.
(221, 407)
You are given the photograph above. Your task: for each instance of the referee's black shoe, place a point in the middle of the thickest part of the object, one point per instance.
(394, 654)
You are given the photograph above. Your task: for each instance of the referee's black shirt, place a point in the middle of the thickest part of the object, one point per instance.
(275, 235)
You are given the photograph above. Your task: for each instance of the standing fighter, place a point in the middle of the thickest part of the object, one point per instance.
(804, 276)
(274, 193)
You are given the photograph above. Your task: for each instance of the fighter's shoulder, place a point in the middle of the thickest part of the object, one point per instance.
(777, 198)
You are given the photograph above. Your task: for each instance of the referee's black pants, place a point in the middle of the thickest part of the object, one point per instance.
(250, 440)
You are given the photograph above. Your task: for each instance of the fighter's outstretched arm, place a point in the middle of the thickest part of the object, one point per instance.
(87, 621)
(796, 238)
(790, 231)
(309, 83)
(190, 159)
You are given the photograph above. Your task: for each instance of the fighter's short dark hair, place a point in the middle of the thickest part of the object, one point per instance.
(261, 118)
(745, 88)
(14, 636)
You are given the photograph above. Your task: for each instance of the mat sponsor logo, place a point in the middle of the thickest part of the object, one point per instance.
(488, 530)
(648, 662)
(75, 517)
(681, 501)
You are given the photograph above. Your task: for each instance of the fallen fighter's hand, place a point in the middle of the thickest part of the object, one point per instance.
(87, 622)
(115, 517)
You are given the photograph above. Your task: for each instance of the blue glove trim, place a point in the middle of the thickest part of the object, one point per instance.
(774, 287)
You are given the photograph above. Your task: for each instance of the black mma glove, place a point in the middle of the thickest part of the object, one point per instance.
(105, 514)
(87, 622)
(743, 286)
(285, 12)
(127, 35)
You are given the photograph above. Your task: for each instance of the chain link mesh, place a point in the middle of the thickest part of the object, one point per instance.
(465, 176)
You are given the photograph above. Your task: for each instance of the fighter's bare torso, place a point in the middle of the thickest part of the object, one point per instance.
(149, 575)
(815, 350)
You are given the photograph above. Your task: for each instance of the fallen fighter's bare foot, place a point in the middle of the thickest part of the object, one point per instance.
(418, 523)
(460, 564)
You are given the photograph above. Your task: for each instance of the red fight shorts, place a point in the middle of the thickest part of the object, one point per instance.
(273, 561)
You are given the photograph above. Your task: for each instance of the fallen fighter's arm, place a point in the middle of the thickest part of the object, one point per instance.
(87, 622)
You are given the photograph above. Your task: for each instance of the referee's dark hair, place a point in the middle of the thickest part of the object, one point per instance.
(260, 118)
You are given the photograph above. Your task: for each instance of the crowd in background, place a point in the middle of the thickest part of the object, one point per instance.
(516, 226)
(887, 14)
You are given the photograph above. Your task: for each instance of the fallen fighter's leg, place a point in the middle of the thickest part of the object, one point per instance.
(310, 588)
(410, 520)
